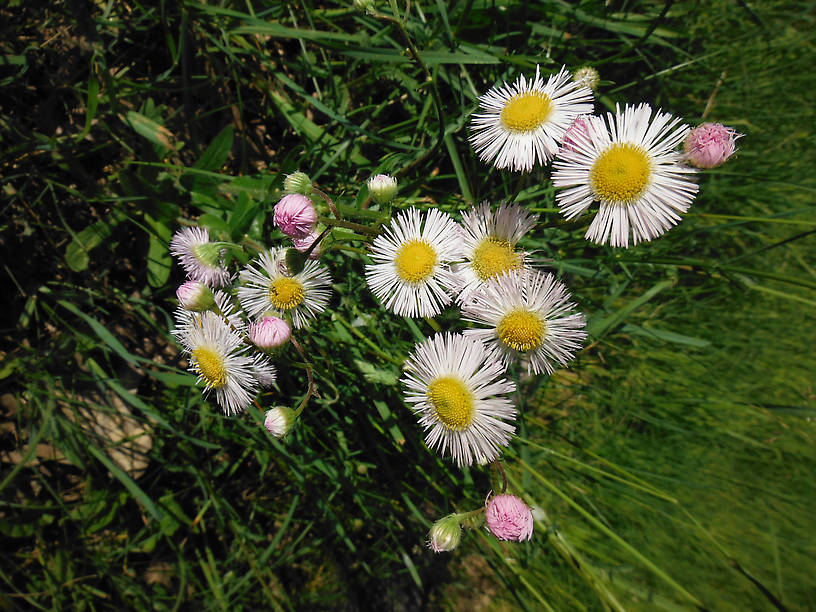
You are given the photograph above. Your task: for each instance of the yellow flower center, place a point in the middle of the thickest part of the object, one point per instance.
(492, 257)
(415, 261)
(210, 364)
(521, 330)
(286, 293)
(453, 402)
(524, 112)
(621, 174)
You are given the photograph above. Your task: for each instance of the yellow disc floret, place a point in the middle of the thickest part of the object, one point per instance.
(494, 256)
(210, 364)
(415, 261)
(621, 174)
(524, 112)
(452, 401)
(521, 330)
(286, 293)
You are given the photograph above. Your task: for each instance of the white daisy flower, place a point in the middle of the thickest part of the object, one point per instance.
(455, 386)
(629, 165)
(490, 245)
(269, 288)
(201, 259)
(410, 273)
(219, 356)
(527, 313)
(521, 124)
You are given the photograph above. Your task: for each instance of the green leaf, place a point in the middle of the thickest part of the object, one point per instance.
(77, 254)
(377, 375)
(146, 127)
(159, 261)
(218, 151)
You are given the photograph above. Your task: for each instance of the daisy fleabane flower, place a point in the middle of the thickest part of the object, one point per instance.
(527, 313)
(411, 273)
(268, 288)
(201, 259)
(220, 357)
(522, 124)
(456, 387)
(489, 243)
(629, 165)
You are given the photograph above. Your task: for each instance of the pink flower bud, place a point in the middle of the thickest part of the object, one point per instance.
(509, 518)
(195, 296)
(576, 134)
(269, 332)
(303, 244)
(295, 215)
(709, 145)
(279, 420)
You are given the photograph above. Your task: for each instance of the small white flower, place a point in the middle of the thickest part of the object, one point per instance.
(527, 313)
(629, 165)
(201, 259)
(490, 245)
(269, 288)
(522, 124)
(218, 354)
(455, 386)
(410, 273)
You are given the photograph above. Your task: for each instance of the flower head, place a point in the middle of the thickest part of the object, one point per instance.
(445, 534)
(410, 273)
(195, 296)
(279, 421)
(268, 288)
(709, 145)
(220, 357)
(628, 164)
(383, 188)
(269, 332)
(295, 215)
(201, 259)
(528, 314)
(489, 243)
(455, 386)
(509, 518)
(520, 125)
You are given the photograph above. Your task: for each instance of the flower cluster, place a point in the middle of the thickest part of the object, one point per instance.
(231, 336)
(514, 317)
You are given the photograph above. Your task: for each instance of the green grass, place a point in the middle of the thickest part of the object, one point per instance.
(671, 465)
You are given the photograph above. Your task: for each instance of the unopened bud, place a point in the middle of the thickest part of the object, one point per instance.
(297, 182)
(587, 77)
(383, 188)
(445, 534)
(269, 332)
(195, 296)
(279, 421)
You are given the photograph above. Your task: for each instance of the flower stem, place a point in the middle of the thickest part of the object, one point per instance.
(328, 201)
(360, 229)
(310, 390)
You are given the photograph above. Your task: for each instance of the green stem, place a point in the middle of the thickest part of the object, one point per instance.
(310, 390)
(328, 201)
(360, 229)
